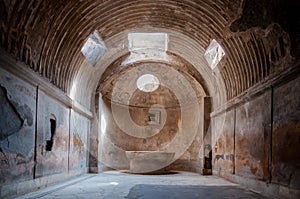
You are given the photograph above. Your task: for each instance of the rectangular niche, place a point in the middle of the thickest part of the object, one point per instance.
(154, 117)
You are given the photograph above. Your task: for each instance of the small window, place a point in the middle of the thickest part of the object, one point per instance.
(94, 48)
(49, 143)
(214, 54)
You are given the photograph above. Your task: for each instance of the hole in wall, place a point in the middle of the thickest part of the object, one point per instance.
(49, 143)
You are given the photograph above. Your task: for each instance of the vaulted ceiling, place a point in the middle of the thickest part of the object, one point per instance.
(259, 38)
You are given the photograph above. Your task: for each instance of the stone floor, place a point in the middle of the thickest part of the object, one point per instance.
(114, 184)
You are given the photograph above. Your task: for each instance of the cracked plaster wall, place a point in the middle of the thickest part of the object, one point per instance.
(17, 118)
(21, 103)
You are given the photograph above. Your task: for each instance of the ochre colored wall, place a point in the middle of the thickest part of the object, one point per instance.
(252, 136)
(260, 139)
(286, 134)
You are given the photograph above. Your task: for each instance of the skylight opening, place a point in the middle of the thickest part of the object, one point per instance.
(94, 48)
(147, 83)
(214, 54)
(146, 41)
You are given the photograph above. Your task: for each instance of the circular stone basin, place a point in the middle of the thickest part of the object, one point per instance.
(149, 161)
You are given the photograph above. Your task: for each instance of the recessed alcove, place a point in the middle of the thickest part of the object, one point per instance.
(155, 112)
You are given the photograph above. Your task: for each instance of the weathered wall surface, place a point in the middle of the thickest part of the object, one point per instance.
(79, 133)
(54, 160)
(40, 136)
(286, 135)
(223, 143)
(192, 158)
(253, 121)
(127, 140)
(17, 128)
(258, 140)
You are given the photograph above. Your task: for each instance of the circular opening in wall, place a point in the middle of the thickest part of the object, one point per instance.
(147, 83)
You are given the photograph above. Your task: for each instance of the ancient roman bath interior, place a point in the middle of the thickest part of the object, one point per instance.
(210, 87)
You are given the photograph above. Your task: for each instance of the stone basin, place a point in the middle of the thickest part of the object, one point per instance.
(152, 162)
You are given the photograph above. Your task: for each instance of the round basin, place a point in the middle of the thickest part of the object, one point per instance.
(149, 161)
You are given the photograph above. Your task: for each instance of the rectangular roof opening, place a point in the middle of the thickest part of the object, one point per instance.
(145, 41)
(94, 48)
(214, 53)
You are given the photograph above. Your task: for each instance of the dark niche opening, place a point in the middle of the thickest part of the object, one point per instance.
(49, 143)
(151, 117)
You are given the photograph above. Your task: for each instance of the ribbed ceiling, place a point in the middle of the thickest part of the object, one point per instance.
(48, 35)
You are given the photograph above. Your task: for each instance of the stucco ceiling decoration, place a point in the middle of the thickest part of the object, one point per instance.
(48, 35)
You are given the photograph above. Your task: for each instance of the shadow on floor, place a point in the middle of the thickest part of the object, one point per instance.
(143, 191)
(153, 173)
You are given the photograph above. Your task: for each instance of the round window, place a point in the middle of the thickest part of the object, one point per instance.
(147, 83)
